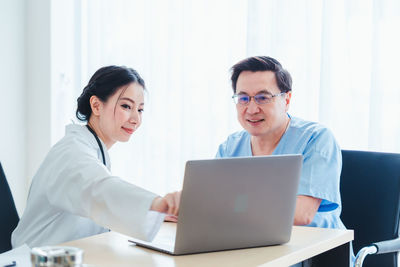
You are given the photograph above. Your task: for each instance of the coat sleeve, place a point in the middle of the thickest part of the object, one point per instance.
(80, 184)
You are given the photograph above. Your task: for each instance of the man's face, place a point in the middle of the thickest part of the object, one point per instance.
(261, 120)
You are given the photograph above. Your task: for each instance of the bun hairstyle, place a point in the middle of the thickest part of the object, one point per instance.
(103, 84)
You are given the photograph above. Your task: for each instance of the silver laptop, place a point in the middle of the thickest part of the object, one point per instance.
(233, 203)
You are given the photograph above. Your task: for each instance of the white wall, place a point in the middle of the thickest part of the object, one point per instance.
(38, 83)
(12, 97)
(25, 133)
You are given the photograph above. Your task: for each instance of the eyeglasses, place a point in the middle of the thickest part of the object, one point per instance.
(260, 99)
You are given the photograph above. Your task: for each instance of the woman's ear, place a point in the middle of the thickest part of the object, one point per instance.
(95, 104)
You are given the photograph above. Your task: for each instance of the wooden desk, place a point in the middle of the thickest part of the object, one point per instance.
(113, 249)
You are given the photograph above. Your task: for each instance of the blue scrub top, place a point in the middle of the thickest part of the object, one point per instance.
(322, 164)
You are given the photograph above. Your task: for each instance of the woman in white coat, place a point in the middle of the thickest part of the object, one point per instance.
(73, 194)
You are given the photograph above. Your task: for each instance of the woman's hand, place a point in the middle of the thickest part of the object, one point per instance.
(168, 204)
(171, 218)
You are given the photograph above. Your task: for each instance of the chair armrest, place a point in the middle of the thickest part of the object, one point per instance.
(387, 246)
(382, 247)
(365, 251)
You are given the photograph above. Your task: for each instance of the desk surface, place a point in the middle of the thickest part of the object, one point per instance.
(113, 249)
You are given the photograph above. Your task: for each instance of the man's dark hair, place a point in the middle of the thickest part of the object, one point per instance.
(263, 63)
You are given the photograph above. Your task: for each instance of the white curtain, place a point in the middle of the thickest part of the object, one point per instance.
(342, 55)
(183, 50)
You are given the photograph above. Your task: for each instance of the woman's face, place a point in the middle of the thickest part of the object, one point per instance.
(121, 114)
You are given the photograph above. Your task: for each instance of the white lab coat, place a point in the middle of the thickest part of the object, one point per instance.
(73, 195)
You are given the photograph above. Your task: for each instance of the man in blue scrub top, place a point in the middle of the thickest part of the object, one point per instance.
(262, 93)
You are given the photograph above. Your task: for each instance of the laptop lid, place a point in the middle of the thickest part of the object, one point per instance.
(233, 203)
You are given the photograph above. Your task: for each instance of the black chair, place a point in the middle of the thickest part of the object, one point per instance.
(370, 191)
(9, 216)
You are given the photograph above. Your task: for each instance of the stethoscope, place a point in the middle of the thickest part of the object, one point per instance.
(98, 142)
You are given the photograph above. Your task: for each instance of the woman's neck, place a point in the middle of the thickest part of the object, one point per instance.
(93, 123)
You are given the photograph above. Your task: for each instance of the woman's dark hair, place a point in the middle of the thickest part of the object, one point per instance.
(263, 63)
(103, 84)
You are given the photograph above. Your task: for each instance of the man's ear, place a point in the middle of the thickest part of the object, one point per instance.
(95, 104)
(287, 99)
